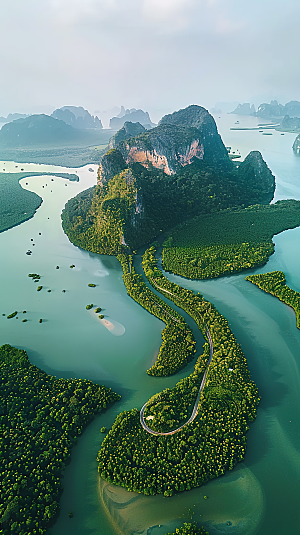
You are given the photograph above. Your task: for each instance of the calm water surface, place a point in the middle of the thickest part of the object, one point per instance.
(260, 496)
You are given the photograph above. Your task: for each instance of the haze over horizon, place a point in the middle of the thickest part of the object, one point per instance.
(158, 55)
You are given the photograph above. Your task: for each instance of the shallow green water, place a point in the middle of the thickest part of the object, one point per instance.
(262, 494)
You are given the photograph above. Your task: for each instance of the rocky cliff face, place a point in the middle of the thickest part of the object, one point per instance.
(112, 164)
(180, 138)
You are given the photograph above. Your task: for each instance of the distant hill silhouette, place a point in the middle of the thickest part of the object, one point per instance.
(13, 117)
(275, 110)
(41, 130)
(77, 117)
(133, 116)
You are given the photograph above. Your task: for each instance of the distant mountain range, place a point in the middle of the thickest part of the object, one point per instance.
(274, 110)
(77, 117)
(13, 117)
(41, 130)
(131, 115)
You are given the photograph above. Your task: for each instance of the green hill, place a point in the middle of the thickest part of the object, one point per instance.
(42, 130)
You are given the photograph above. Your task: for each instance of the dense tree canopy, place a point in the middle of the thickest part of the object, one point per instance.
(40, 420)
(229, 241)
(275, 284)
(215, 441)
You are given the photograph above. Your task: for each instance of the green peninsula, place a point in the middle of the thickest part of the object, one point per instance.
(18, 204)
(40, 419)
(214, 441)
(274, 283)
(178, 345)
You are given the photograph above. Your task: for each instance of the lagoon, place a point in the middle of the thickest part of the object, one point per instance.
(259, 496)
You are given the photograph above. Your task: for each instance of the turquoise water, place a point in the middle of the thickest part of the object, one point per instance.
(261, 495)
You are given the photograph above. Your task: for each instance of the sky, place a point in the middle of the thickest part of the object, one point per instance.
(158, 55)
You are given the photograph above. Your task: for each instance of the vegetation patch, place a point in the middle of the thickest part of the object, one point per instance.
(94, 220)
(41, 418)
(178, 345)
(215, 441)
(12, 315)
(275, 284)
(189, 529)
(228, 242)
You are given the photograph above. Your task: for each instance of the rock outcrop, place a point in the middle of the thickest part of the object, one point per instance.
(176, 142)
(112, 164)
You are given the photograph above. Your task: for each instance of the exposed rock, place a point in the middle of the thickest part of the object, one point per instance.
(112, 163)
(180, 138)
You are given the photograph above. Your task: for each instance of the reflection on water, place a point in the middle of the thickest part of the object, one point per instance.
(234, 504)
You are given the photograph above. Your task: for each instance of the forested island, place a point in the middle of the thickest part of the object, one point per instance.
(275, 284)
(152, 181)
(41, 418)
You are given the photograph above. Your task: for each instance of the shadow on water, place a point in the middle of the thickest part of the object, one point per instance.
(36, 359)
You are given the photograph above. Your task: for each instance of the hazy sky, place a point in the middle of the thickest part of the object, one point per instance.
(159, 55)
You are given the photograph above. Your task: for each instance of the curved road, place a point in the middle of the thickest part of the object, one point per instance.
(196, 405)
